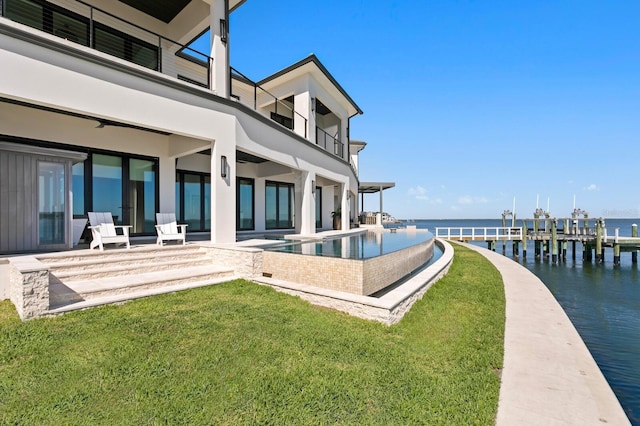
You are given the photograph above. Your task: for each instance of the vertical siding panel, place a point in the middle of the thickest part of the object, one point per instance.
(20, 212)
(29, 176)
(4, 202)
(11, 169)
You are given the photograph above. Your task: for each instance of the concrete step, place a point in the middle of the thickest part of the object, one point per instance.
(89, 262)
(109, 299)
(112, 269)
(61, 293)
(114, 254)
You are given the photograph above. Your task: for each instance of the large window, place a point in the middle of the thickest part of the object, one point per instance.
(279, 205)
(142, 195)
(51, 203)
(245, 212)
(123, 185)
(193, 200)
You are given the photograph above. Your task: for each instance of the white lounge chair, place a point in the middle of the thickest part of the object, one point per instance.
(167, 228)
(103, 231)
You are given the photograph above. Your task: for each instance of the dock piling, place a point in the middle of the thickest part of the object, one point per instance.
(634, 253)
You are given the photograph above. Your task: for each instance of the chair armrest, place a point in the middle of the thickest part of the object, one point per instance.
(125, 229)
(183, 229)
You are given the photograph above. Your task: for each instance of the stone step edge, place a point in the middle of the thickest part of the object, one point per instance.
(136, 280)
(55, 258)
(125, 297)
(69, 275)
(139, 257)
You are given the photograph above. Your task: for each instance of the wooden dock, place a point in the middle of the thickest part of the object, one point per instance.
(550, 240)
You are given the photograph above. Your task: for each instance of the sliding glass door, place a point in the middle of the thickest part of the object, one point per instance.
(245, 190)
(123, 185)
(51, 203)
(279, 206)
(193, 200)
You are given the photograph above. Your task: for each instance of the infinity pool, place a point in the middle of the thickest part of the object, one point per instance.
(360, 246)
(362, 264)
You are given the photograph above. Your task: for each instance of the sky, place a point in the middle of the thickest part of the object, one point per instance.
(470, 105)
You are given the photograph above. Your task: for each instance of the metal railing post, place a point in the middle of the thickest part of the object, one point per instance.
(159, 53)
(91, 38)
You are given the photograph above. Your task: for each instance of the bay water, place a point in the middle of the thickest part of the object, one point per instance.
(602, 301)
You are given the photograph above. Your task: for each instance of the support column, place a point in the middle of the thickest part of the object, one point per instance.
(599, 241)
(634, 254)
(345, 206)
(524, 239)
(167, 183)
(616, 254)
(223, 192)
(554, 241)
(380, 217)
(307, 215)
(220, 78)
(304, 120)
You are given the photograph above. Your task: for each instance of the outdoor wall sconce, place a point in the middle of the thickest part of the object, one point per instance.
(313, 186)
(223, 166)
(223, 30)
(313, 104)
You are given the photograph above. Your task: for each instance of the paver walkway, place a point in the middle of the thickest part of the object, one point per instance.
(549, 376)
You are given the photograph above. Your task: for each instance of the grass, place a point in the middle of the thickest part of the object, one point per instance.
(239, 353)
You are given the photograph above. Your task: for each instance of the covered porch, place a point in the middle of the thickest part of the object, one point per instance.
(373, 188)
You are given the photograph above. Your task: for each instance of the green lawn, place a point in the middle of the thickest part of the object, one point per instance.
(239, 353)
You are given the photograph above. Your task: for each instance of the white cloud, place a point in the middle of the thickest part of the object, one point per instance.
(465, 199)
(468, 199)
(417, 192)
(592, 187)
(420, 193)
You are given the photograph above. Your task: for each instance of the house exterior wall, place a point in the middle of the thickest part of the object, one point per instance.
(45, 78)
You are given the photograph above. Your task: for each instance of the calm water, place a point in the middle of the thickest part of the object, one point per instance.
(359, 246)
(602, 301)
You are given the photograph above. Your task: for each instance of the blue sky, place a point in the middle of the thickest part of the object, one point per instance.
(468, 104)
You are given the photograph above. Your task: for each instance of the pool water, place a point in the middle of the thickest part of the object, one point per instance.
(360, 246)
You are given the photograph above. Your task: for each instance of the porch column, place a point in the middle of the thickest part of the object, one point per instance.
(223, 193)
(379, 216)
(303, 108)
(167, 181)
(308, 204)
(220, 72)
(345, 206)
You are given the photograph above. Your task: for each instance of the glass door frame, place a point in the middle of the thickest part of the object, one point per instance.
(205, 225)
(126, 194)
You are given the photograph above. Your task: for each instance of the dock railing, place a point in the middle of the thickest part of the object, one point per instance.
(480, 233)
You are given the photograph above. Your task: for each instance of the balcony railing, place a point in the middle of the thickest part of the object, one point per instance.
(328, 142)
(82, 23)
(280, 108)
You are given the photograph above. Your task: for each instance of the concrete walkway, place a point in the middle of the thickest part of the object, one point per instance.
(549, 376)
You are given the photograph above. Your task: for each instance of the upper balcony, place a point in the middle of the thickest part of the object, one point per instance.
(98, 29)
(303, 98)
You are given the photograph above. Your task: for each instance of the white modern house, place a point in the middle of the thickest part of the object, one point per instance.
(105, 107)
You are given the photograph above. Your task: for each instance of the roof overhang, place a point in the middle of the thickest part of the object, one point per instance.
(373, 187)
(312, 65)
(167, 10)
(355, 146)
